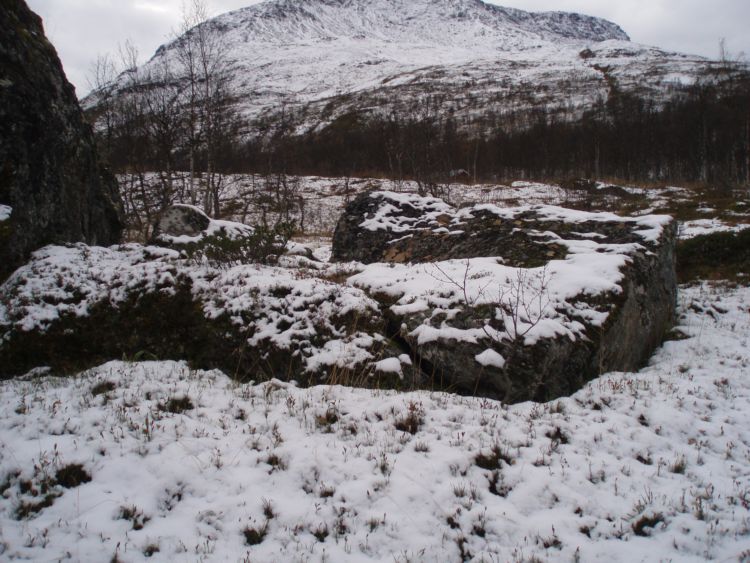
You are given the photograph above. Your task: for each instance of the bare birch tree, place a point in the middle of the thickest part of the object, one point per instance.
(201, 55)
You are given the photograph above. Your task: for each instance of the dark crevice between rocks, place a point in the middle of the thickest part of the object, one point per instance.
(423, 370)
(428, 375)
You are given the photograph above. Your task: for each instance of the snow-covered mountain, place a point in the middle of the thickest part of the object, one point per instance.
(319, 59)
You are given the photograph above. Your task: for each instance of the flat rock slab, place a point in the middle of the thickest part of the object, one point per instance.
(513, 303)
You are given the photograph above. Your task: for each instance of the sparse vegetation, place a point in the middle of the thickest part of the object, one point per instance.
(134, 515)
(320, 532)
(28, 508)
(412, 421)
(103, 387)
(490, 460)
(276, 462)
(647, 523)
(177, 405)
(679, 465)
(72, 475)
(254, 535)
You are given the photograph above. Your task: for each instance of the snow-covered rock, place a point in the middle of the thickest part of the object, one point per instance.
(71, 307)
(513, 303)
(181, 220)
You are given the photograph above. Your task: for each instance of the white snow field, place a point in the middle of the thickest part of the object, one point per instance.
(189, 466)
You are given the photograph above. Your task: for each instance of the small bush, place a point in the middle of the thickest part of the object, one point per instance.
(412, 421)
(276, 462)
(640, 527)
(263, 245)
(72, 475)
(679, 465)
(497, 484)
(491, 460)
(103, 387)
(714, 256)
(326, 491)
(320, 533)
(8, 481)
(28, 508)
(177, 405)
(422, 447)
(268, 510)
(645, 460)
(327, 419)
(255, 536)
(134, 515)
(557, 435)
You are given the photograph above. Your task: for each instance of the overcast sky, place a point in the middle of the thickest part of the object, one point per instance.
(83, 29)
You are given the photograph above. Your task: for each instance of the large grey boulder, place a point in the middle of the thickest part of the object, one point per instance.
(515, 304)
(180, 220)
(50, 174)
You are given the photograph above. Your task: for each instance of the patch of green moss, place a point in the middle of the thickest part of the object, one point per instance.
(6, 231)
(714, 256)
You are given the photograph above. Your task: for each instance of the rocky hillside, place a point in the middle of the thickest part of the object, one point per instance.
(320, 59)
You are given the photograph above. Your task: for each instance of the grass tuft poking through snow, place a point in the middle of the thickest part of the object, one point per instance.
(131, 461)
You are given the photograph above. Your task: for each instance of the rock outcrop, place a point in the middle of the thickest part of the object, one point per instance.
(179, 220)
(391, 227)
(74, 307)
(513, 303)
(50, 174)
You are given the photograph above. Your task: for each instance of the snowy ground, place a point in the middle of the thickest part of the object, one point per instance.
(697, 227)
(325, 198)
(188, 466)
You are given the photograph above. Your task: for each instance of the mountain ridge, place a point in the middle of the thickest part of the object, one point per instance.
(318, 60)
(559, 24)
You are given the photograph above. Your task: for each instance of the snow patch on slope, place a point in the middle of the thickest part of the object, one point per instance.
(324, 58)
